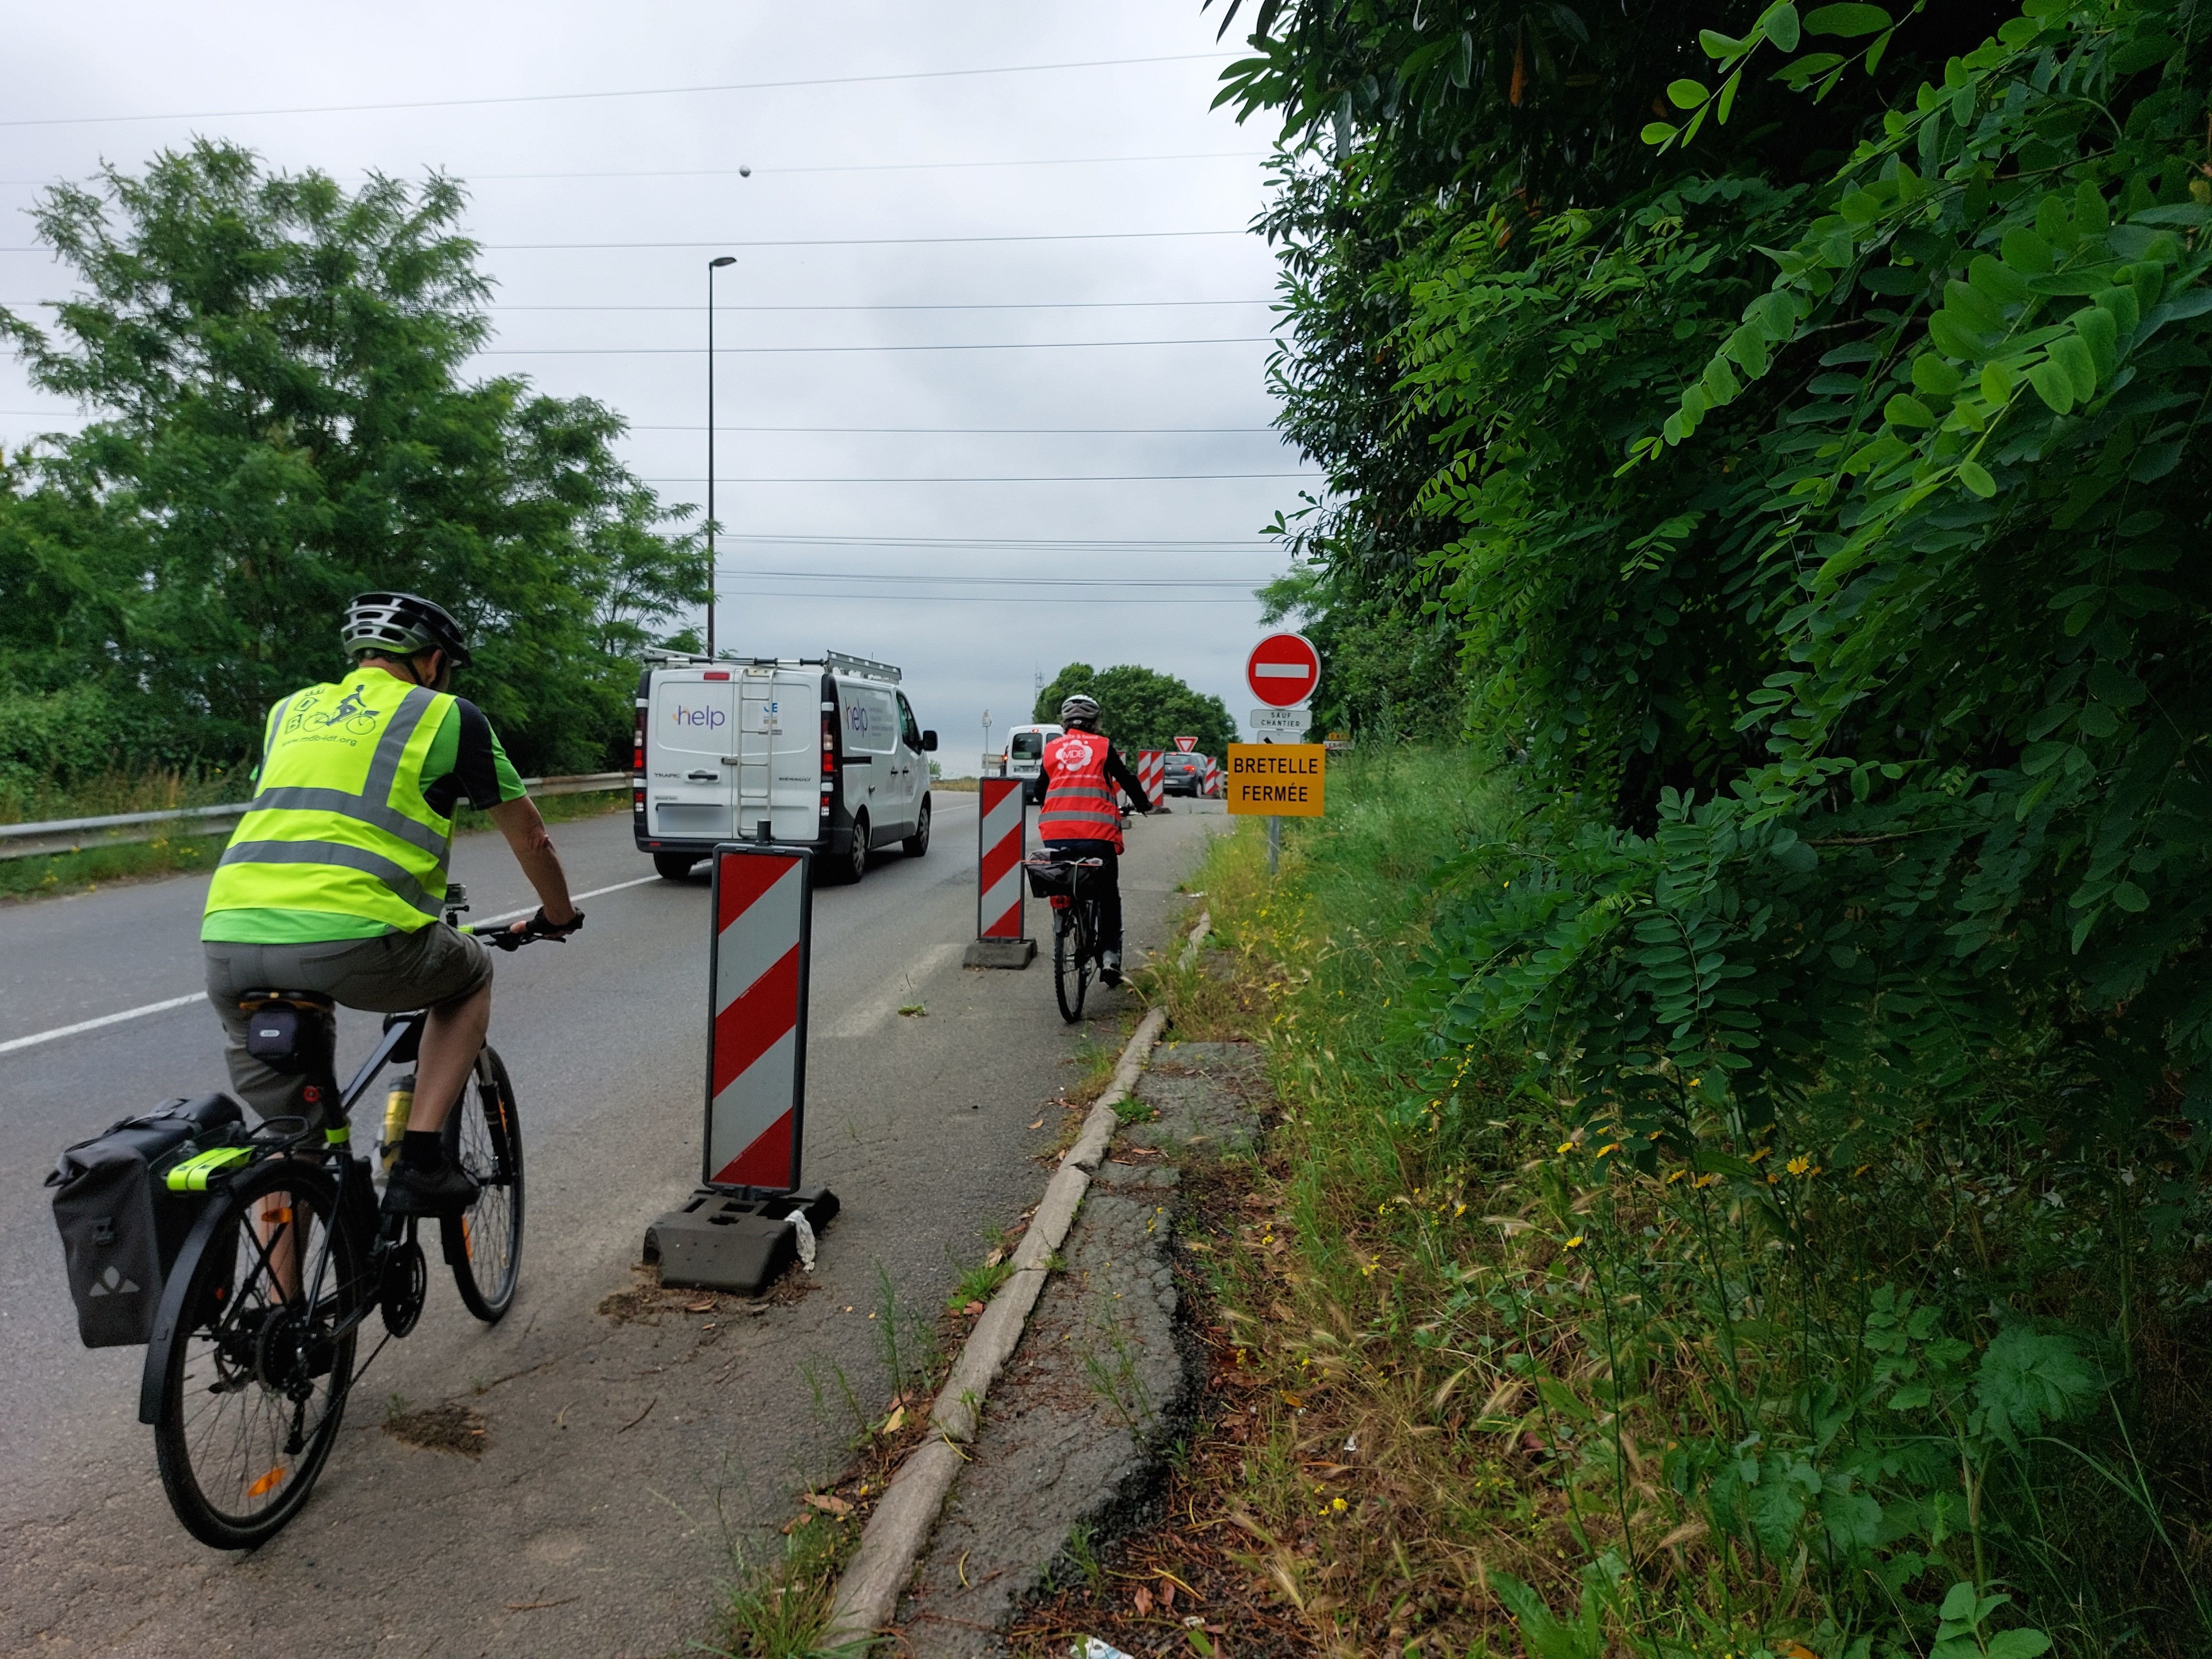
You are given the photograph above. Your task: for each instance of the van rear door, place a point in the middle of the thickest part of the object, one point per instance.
(779, 755)
(691, 791)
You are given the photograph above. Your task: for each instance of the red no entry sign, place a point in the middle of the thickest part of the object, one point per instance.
(1284, 670)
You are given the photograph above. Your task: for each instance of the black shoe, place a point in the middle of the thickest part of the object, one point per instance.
(446, 1190)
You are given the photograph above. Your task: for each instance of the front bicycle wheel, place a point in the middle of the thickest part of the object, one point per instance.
(1071, 962)
(483, 1136)
(257, 1377)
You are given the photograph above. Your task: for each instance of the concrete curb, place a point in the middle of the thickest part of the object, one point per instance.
(867, 1594)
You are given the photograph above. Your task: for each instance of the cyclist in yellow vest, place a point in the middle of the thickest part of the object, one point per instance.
(1080, 820)
(333, 880)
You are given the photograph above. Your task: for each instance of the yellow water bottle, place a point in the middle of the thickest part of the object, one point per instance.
(398, 1106)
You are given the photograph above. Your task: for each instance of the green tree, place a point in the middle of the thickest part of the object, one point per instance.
(275, 367)
(1142, 707)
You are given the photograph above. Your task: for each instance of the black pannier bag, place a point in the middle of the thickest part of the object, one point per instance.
(1050, 880)
(121, 1227)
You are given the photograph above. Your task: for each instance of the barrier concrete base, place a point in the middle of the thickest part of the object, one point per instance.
(736, 1239)
(999, 953)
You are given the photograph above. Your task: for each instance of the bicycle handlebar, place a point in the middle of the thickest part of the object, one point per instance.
(506, 938)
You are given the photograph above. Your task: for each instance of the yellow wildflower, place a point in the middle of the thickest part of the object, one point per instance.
(1336, 1503)
(1758, 1155)
(1676, 1176)
(1566, 1146)
(1798, 1166)
(1576, 1242)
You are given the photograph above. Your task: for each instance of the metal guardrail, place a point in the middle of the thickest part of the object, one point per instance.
(22, 841)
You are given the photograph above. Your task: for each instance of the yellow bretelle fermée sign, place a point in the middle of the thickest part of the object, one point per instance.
(1277, 779)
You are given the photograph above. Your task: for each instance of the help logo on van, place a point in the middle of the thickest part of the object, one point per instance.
(709, 717)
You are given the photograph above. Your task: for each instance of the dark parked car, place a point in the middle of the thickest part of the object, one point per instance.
(1182, 774)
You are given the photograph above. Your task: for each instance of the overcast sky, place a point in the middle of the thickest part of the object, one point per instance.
(951, 569)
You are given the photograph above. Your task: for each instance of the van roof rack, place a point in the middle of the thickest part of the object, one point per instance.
(836, 661)
(860, 665)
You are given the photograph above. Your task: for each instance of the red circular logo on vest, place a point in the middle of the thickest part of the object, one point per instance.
(1284, 670)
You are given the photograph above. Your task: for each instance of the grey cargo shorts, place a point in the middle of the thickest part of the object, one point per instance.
(427, 968)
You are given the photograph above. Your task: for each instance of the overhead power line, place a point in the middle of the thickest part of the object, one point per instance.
(1024, 544)
(765, 351)
(1060, 477)
(815, 241)
(959, 598)
(865, 241)
(907, 431)
(979, 305)
(1014, 431)
(772, 171)
(986, 581)
(634, 92)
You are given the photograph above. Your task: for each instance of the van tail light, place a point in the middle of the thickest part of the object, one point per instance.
(829, 744)
(637, 744)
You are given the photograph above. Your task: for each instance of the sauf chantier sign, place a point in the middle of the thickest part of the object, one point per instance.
(1275, 778)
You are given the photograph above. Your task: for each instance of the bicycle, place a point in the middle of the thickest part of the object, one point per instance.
(251, 1363)
(1075, 928)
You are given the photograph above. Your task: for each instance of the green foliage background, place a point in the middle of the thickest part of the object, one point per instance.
(1143, 709)
(1792, 424)
(274, 366)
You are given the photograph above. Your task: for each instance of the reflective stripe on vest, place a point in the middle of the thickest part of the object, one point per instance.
(1079, 805)
(340, 824)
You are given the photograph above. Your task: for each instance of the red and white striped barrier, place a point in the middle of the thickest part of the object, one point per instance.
(763, 904)
(1151, 773)
(1003, 822)
(1213, 775)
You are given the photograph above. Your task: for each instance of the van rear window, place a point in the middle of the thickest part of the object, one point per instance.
(1029, 745)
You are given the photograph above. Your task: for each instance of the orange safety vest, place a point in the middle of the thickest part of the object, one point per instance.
(1079, 804)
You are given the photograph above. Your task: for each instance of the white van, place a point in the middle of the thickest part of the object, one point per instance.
(820, 751)
(1024, 758)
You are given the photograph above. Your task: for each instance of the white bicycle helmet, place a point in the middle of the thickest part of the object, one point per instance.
(402, 625)
(1078, 708)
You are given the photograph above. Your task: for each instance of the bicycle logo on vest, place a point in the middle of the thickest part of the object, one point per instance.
(347, 712)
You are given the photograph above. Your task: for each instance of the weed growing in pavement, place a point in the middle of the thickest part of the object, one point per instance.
(905, 1341)
(1082, 1555)
(1109, 1370)
(776, 1603)
(978, 1284)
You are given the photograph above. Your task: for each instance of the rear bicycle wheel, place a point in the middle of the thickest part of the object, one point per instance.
(483, 1135)
(256, 1381)
(1070, 961)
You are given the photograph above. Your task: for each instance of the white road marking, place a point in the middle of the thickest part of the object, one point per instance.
(864, 1018)
(574, 898)
(61, 1032)
(9, 1047)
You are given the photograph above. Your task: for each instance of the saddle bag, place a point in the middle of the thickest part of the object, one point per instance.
(121, 1226)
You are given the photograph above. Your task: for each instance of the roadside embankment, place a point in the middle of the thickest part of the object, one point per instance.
(1484, 1374)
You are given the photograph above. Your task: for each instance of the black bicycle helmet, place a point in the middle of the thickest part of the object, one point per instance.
(402, 625)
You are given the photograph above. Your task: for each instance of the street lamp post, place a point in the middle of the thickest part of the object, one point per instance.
(713, 265)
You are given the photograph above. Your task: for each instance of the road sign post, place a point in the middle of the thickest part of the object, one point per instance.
(1284, 672)
(750, 1214)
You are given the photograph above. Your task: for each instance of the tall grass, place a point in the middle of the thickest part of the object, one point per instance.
(27, 798)
(1557, 1391)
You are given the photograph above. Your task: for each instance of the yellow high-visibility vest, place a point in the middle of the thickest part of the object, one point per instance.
(340, 824)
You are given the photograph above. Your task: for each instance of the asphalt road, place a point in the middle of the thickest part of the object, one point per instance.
(621, 1462)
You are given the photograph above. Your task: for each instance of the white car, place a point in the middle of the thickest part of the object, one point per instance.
(822, 752)
(1024, 758)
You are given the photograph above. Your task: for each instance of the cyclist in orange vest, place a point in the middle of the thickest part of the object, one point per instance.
(1080, 820)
